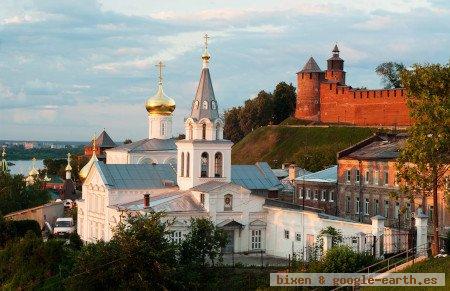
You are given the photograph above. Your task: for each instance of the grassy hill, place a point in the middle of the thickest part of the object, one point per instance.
(313, 148)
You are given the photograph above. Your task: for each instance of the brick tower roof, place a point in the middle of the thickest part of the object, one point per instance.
(311, 67)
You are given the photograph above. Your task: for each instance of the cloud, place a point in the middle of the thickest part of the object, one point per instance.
(77, 66)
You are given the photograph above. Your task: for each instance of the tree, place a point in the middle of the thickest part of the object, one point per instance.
(247, 121)
(284, 100)
(127, 141)
(232, 129)
(55, 166)
(202, 244)
(425, 157)
(390, 74)
(139, 256)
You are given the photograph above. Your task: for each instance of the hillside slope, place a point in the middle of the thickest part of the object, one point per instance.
(313, 148)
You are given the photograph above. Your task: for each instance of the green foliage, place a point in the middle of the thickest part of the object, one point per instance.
(55, 166)
(390, 74)
(335, 233)
(308, 147)
(447, 242)
(266, 108)
(425, 157)
(139, 256)
(16, 195)
(11, 230)
(127, 141)
(342, 259)
(28, 263)
(203, 243)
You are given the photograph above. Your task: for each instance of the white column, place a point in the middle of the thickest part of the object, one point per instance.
(378, 231)
(362, 242)
(421, 221)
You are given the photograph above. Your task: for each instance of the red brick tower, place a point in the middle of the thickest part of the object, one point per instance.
(335, 68)
(308, 91)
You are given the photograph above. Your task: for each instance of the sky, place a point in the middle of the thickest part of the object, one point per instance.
(71, 68)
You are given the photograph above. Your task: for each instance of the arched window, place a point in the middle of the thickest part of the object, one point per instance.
(188, 161)
(190, 131)
(218, 131)
(205, 104)
(218, 162)
(228, 202)
(163, 128)
(204, 131)
(213, 105)
(196, 104)
(182, 165)
(204, 165)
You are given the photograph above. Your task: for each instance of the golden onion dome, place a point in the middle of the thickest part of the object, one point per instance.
(160, 104)
(85, 170)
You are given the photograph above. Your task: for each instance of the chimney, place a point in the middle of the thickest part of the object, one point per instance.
(146, 200)
(293, 172)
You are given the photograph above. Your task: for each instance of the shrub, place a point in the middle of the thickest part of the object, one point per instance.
(342, 259)
(11, 229)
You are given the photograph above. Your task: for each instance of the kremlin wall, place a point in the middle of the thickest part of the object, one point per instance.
(323, 96)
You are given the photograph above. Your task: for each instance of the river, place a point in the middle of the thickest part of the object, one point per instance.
(24, 166)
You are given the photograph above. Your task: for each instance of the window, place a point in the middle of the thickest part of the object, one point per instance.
(190, 131)
(301, 192)
(348, 176)
(196, 104)
(386, 178)
(228, 202)
(323, 195)
(377, 207)
(376, 178)
(397, 210)
(175, 236)
(316, 194)
(366, 207)
(357, 176)
(163, 128)
(366, 180)
(204, 165)
(331, 196)
(218, 165)
(298, 237)
(217, 131)
(204, 131)
(182, 165)
(205, 104)
(357, 206)
(256, 239)
(347, 205)
(308, 193)
(286, 234)
(213, 105)
(386, 208)
(408, 210)
(188, 166)
(202, 199)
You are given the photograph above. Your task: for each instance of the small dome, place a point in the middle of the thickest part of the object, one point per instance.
(85, 170)
(160, 104)
(33, 172)
(68, 167)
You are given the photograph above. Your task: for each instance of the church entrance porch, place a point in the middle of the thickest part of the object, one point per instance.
(230, 227)
(229, 247)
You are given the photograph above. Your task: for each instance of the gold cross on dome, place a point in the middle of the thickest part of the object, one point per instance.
(206, 40)
(161, 66)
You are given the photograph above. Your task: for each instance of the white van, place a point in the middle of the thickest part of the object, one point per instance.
(64, 226)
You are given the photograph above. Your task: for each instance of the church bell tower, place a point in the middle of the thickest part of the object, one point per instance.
(203, 155)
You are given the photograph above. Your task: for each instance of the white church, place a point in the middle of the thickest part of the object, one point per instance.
(194, 177)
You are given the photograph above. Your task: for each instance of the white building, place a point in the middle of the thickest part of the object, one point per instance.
(204, 185)
(159, 147)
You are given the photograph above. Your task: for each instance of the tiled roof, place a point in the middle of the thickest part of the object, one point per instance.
(103, 141)
(136, 176)
(311, 67)
(146, 144)
(377, 147)
(255, 177)
(205, 93)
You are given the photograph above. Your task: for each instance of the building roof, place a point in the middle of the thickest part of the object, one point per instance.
(136, 176)
(311, 67)
(213, 185)
(103, 141)
(289, 205)
(174, 201)
(328, 175)
(205, 93)
(281, 173)
(255, 177)
(146, 145)
(378, 147)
